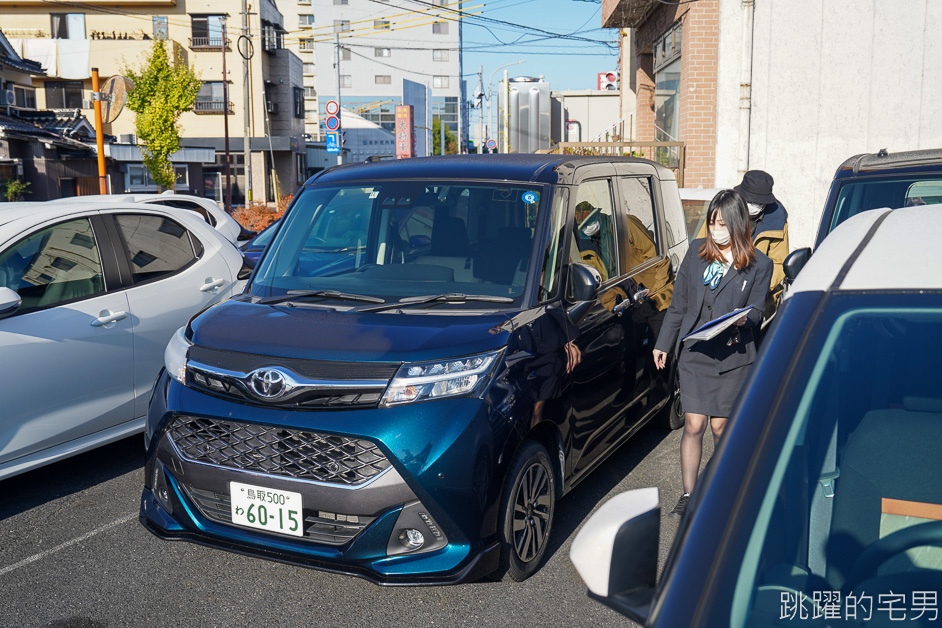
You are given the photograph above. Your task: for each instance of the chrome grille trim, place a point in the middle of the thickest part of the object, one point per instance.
(338, 461)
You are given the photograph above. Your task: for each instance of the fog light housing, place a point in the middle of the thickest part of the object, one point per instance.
(411, 539)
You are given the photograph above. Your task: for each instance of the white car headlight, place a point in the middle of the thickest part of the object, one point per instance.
(175, 355)
(417, 381)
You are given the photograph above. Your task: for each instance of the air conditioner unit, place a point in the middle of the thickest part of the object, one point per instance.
(127, 138)
(9, 97)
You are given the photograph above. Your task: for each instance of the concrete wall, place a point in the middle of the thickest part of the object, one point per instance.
(830, 80)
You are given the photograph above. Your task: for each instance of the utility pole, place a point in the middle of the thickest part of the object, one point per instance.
(99, 137)
(462, 92)
(506, 99)
(339, 102)
(480, 96)
(246, 150)
(225, 118)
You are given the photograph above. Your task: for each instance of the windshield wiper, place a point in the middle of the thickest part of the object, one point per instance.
(451, 297)
(293, 295)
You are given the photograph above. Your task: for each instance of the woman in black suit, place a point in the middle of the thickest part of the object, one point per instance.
(721, 272)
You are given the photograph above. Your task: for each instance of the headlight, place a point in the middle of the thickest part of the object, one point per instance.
(418, 381)
(175, 355)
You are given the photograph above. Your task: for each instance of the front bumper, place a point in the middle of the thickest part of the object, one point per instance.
(443, 459)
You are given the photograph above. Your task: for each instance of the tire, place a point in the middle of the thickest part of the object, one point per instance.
(671, 416)
(526, 523)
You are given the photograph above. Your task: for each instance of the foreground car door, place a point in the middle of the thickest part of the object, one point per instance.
(173, 275)
(66, 354)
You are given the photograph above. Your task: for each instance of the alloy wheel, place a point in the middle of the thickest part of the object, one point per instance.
(532, 511)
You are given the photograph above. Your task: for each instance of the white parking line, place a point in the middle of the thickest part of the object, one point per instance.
(87, 535)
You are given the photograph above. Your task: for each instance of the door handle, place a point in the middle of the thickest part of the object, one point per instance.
(106, 318)
(212, 284)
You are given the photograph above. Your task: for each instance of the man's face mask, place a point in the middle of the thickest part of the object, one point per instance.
(755, 209)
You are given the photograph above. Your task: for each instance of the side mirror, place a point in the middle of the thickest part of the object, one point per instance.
(795, 261)
(584, 282)
(10, 301)
(616, 550)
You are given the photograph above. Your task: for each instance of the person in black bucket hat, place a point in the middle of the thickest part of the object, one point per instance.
(769, 229)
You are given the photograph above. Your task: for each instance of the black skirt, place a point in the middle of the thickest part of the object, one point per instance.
(703, 389)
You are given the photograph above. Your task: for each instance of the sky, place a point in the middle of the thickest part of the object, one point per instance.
(566, 63)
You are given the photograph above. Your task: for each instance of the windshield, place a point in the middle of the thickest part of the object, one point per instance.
(401, 239)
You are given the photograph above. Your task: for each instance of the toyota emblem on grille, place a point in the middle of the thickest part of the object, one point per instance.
(269, 383)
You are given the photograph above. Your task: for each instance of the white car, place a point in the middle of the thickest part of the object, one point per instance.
(90, 294)
(211, 212)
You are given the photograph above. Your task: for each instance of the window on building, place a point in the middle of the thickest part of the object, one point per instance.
(63, 94)
(139, 179)
(310, 92)
(273, 37)
(308, 68)
(344, 54)
(300, 167)
(440, 82)
(210, 98)
(298, 102)
(381, 25)
(667, 53)
(206, 30)
(440, 28)
(67, 25)
(382, 52)
(305, 21)
(160, 27)
(346, 80)
(439, 55)
(307, 44)
(341, 26)
(310, 115)
(25, 96)
(383, 79)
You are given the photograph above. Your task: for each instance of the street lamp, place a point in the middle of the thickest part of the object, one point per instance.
(490, 90)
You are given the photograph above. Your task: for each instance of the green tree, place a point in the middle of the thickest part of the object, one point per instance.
(14, 190)
(451, 140)
(163, 90)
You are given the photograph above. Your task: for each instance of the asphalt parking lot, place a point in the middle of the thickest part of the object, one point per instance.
(72, 553)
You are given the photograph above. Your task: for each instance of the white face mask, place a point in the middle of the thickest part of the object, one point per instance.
(720, 236)
(755, 209)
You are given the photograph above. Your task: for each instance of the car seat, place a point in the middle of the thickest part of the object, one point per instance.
(501, 259)
(450, 247)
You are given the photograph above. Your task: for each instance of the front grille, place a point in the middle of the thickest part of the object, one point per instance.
(278, 451)
(320, 527)
(314, 398)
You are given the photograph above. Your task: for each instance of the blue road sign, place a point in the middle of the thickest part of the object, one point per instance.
(333, 142)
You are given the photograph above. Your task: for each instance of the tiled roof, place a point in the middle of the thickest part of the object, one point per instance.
(68, 122)
(12, 60)
(15, 126)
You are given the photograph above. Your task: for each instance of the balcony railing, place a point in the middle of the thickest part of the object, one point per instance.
(208, 43)
(211, 106)
(670, 154)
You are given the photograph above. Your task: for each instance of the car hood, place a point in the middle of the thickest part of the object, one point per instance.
(322, 334)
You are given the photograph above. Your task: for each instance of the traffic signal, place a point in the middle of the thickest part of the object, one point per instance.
(608, 80)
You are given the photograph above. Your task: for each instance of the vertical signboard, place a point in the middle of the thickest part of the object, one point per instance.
(405, 132)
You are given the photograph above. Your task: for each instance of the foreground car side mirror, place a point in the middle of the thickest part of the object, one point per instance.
(615, 553)
(795, 261)
(10, 301)
(584, 282)
(248, 265)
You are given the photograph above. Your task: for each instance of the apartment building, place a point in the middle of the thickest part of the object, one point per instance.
(380, 46)
(68, 39)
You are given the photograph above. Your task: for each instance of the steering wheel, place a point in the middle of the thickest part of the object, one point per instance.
(881, 550)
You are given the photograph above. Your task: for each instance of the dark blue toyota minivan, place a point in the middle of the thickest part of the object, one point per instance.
(428, 355)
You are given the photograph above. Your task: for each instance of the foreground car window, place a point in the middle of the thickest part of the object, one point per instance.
(53, 266)
(857, 475)
(404, 238)
(860, 196)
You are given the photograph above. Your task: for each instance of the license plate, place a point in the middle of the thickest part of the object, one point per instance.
(266, 509)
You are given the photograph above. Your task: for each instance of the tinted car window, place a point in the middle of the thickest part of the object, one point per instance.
(639, 211)
(595, 227)
(405, 238)
(859, 196)
(192, 206)
(52, 266)
(156, 246)
(859, 466)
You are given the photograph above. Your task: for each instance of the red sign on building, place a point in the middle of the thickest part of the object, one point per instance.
(405, 132)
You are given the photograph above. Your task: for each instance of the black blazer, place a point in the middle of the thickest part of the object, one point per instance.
(738, 288)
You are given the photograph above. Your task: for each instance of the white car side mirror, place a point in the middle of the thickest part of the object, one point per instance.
(616, 552)
(10, 301)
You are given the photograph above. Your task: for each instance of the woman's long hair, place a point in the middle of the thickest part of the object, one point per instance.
(736, 217)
